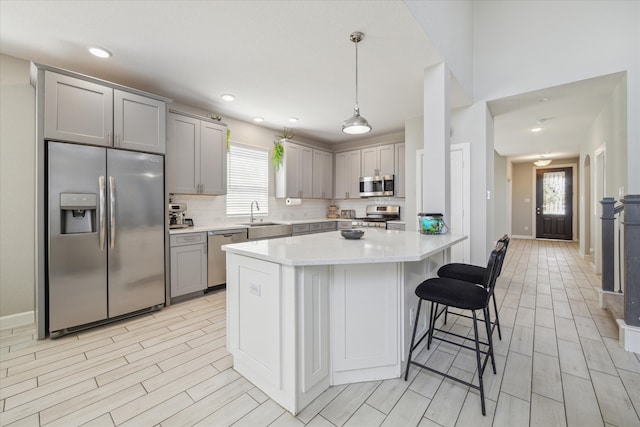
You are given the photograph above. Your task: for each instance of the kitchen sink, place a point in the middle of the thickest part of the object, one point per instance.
(265, 230)
(258, 224)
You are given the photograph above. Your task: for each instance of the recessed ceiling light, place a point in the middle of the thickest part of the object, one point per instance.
(258, 119)
(543, 99)
(228, 97)
(536, 129)
(99, 52)
(293, 120)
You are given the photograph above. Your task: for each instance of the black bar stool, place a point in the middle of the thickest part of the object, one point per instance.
(465, 296)
(473, 274)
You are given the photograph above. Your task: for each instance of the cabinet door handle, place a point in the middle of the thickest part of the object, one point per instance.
(109, 137)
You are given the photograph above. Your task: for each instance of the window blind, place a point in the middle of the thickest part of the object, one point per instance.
(247, 180)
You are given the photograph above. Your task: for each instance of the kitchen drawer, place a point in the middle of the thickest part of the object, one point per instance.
(395, 226)
(315, 227)
(344, 225)
(329, 226)
(300, 229)
(188, 239)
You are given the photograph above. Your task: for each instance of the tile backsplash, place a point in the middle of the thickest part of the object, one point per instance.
(211, 210)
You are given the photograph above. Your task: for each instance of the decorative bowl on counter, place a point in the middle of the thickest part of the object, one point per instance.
(352, 234)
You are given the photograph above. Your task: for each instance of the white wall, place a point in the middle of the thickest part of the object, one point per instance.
(528, 45)
(17, 183)
(449, 26)
(414, 141)
(500, 197)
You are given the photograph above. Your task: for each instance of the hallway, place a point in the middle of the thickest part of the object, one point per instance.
(559, 364)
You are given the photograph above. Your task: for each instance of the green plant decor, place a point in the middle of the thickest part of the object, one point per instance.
(228, 140)
(278, 154)
(278, 149)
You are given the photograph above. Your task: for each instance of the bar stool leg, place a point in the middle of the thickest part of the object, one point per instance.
(413, 339)
(495, 307)
(478, 360)
(490, 340)
(432, 323)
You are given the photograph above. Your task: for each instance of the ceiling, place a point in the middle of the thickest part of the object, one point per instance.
(281, 59)
(564, 114)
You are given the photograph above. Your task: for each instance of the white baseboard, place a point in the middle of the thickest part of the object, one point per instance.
(18, 319)
(516, 236)
(629, 336)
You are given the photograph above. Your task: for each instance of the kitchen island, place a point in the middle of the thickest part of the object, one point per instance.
(307, 312)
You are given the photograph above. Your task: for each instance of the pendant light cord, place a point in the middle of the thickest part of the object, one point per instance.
(357, 108)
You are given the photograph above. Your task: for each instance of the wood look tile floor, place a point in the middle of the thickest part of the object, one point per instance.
(559, 364)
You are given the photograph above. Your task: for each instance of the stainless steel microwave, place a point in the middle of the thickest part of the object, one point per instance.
(372, 186)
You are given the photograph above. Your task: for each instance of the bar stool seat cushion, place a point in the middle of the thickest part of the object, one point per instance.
(454, 293)
(466, 272)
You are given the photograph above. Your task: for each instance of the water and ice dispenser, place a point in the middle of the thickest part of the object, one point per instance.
(78, 213)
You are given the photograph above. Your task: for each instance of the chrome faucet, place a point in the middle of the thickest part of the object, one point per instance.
(257, 208)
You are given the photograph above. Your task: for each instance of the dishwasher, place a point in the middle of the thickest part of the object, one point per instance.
(217, 258)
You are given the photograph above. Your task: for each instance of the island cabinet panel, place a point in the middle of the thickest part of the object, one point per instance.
(313, 332)
(364, 322)
(261, 314)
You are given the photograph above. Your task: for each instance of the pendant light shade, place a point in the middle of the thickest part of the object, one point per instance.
(356, 124)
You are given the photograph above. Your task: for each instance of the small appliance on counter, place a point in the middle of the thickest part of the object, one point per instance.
(347, 213)
(176, 216)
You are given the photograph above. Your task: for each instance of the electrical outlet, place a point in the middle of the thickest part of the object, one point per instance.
(254, 289)
(526, 228)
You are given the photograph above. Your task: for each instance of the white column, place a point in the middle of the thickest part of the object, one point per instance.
(435, 173)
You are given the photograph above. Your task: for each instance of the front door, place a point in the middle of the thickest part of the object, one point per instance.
(554, 203)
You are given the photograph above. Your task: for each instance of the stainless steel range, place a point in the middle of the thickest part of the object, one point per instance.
(377, 216)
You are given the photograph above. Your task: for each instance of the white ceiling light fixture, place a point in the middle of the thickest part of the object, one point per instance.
(258, 119)
(227, 97)
(542, 161)
(293, 120)
(534, 130)
(99, 52)
(356, 124)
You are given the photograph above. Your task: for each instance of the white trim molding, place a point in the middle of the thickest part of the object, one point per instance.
(628, 336)
(18, 319)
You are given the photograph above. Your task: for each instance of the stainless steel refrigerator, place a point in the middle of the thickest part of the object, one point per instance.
(105, 224)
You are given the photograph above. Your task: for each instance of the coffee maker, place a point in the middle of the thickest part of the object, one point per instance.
(176, 215)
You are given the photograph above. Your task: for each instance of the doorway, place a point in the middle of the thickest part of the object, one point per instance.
(554, 203)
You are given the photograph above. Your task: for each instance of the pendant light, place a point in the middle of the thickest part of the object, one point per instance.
(357, 124)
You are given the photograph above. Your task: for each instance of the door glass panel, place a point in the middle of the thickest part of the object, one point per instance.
(553, 186)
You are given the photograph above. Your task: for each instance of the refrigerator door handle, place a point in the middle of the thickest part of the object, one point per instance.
(103, 212)
(112, 213)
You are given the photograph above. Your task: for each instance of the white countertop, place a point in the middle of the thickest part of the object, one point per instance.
(220, 227)
(331, 248)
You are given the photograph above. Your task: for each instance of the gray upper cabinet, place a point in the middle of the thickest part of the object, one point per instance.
(196, 156)
(378, 160)
(399, 175)
(139, 122)
(347, 173)
(294, 177)
(77, 110)
(322, 174)
(86, 112)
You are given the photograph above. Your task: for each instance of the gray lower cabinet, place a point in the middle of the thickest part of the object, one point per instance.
(87, 112)
(188, 263)
(395, 226)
